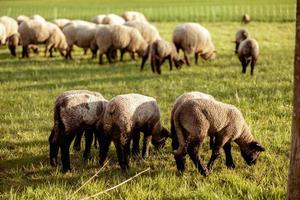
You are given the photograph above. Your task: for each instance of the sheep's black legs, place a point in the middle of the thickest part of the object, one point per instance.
(244, 65)
(96, 144)
(157, 66)
(252, 66)
(12, 49)
(170, 63)
(144, 59)
(229, 159)
(65, 151)
(136, 143)
(196, 58)
(192, 150)
(77, 142)
(104, 143)
(25, 52)
(146, 142)
(88, 143)
(122, 54)
(186, 59)
(108, 57)
(180, 159)
(132, 55)
(152, 61)
(122, 155)
(53, 149)
(100, 58)
(218, 144)
(211, 142)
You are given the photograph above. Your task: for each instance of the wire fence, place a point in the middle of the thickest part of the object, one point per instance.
(264, 13)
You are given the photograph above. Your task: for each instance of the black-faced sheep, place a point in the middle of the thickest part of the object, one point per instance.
(74, 112)
(197, 118)
(134, 16)
(248, 51)
(159, 51)
(124, 118)
(192, 37)
(241, 35)
(246, 19)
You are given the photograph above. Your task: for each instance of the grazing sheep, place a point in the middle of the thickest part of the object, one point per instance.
(98, 19)
(121, 37)
(241, 35)
(248, 52)
(134, 16)
(22, 18)
(113, 19)
(197, 118)
(159, 51)
(246, 19)
(124, 118)
(74, 112)
(11, 29)
(192, 37)
(37, 32)
(79, 34)
(61, 23)
(2, 34)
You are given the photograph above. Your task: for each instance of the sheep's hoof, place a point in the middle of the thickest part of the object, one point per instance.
(53, 162)
(65, 170)
(230, 166)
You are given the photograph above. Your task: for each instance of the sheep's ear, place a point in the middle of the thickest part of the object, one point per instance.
(257, 146)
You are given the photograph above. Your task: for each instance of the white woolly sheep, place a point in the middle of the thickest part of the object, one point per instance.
(36, 32)
(192, 37)
(61, 23)
(75, 112)
(159, 51)
(124, 118)
(113, 19)
(121, 37)
(134, 16)
(195, 119)
(241, 35)
(147, 30)
(98, 19)
(248, 51)
(38, 18)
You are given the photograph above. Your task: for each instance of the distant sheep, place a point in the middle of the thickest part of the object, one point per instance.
(74, 112)
(113, 19)
(11, 30)
(241, 35)
(98, 19)
(159, 51)
(61, 23)
(134, 16)
(197, 118)
(246, 19)
(192, 37)
(248, 51)
(37, 32)
(124, 118)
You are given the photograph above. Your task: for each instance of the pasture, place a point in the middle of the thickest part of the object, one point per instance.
(29, 87)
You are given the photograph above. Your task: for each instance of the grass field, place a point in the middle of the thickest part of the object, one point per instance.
(29, 86)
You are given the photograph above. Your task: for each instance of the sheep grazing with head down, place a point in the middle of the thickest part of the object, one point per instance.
(75, 112)
(124, 118)
(241, 35)
(134, 16)
(11, 31)
(248, 52)
(39, 32)
(113, 19)
(192, 37)
(113, 37)
(246, 19)
(197, 118)
(159, 51)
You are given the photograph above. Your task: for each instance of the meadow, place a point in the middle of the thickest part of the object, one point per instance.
(29, 87)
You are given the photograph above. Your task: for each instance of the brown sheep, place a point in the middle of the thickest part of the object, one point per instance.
(246, 19)
(248, 51)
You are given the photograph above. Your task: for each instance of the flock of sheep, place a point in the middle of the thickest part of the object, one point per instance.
(194, 116)
(130, 33)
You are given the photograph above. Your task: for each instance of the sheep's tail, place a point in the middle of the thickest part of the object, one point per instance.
(179, 131)
(57, 127)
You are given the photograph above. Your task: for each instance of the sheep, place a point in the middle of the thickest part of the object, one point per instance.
(22, 18)
(81, 34)
(74, 112)
(134, 16)
(36, 32)
(61, 23)
(13, 41)
(195, 119)
(2, 34)
(11, 29)
(159, 51)
(124, 118)
(241, 35)
(246, 19)
(248, 51)
(98, 19)
(113, 19)
(192, 37)
(38, 18)
(121, 37)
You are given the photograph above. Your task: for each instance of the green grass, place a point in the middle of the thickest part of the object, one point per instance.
(157, 10)
(29, 86)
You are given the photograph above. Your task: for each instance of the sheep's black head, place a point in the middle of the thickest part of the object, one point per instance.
(251, 152)
(160, 140)
(209, 55)
(178, 63)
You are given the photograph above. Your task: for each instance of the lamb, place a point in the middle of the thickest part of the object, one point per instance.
(248, 51)
(159, 51)
(124, 118)
(61, 23)
(241, 35)
(113, 19)
(246, 19)
(98, 19)
(134, 16)
(121, 37)
(36, 32)
(192, 37)
(195, 119)
(79, 34)
(74, 112)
